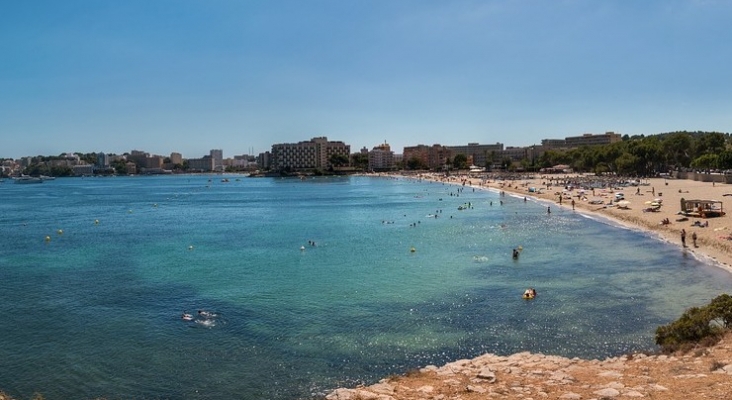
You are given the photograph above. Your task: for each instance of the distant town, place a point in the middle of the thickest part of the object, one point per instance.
(314, 157)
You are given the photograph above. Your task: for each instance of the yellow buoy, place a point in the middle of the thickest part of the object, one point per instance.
(190, 247)
(96, 222)
(48, 238)
(412, 250)
(129, 211)
(60, 231)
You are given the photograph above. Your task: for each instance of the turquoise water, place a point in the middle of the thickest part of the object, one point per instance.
(96, 311)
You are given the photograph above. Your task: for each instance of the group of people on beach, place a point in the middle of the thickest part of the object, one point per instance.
(683, 238)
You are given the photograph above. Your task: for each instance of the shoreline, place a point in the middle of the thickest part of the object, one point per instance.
(713, 246)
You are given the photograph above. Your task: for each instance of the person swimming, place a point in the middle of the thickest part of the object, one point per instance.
(206, 314)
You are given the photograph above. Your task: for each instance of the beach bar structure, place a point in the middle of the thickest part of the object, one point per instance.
(702, 208)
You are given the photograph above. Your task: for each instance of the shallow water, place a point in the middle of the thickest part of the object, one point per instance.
(96, 311)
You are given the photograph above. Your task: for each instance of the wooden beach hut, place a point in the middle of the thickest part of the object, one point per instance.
(702, 208)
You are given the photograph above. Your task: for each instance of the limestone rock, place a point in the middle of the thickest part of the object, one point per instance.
(382, 388)
(607, 392)
(561, 376)
(426, 389)
(610, 374)
(452, 382)
(538, 377)
(487, 374)
(476, 389)
(356, 394)
(658, 388)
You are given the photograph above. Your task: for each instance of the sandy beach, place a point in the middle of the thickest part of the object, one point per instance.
(712, 238)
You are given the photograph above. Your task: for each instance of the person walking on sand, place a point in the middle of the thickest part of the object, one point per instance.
(683, 237)
(693, 239)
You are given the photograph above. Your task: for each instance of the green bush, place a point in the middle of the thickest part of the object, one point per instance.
(721, 309)
(696, 325)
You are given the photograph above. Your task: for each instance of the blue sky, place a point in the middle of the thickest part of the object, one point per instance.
(190, 76)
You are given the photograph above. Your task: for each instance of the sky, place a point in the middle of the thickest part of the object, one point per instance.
(240, 75)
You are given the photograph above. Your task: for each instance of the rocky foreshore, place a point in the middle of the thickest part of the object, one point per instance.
(705, 373)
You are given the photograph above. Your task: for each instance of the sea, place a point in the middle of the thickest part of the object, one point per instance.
(306, 285)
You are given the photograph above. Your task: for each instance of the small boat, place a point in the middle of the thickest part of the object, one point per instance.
(23, 179)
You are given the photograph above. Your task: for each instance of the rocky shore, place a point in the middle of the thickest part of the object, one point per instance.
(705, 373)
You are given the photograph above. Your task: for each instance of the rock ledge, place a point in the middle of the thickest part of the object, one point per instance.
(704, 373)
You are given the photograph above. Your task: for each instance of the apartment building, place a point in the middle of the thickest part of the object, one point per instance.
(589, 139)
(176, 158)
(217, 155)
(433, 157)
(203, 164)
(313, 154)
(477, 154)
(381, 158)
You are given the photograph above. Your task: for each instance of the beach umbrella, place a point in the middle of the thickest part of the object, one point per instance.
(623, 204)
